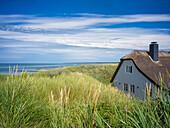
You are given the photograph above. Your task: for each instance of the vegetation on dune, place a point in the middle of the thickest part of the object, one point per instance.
(3, 77)
(62, 101)
(75, 99)
(102, 73)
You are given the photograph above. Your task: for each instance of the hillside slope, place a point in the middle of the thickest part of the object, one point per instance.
(102, 73)
(68, 100)
(75, 97)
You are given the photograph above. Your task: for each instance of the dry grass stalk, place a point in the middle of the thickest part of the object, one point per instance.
(23, 105)
(52, 97)
(160, 79)
(94, 94)
(23, 72)
(88, 97)
(16, 71)
(13, 70)
(61, 96)
(97, 95)
(12, 98)
(148, 92)
(9, 70)
(128, 95)
(65, 90)
(67, 94)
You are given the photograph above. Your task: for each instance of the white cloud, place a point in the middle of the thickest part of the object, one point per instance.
(82, 31)
(16, 46)
(33, 22)
(130, 38)
(83, 22)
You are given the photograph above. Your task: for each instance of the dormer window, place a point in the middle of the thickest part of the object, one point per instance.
(129, 69)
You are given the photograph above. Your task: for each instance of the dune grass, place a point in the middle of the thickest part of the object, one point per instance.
(62, 101)
(102, 73)
(75, 99)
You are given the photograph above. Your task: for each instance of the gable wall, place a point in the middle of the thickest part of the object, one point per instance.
(134, 78)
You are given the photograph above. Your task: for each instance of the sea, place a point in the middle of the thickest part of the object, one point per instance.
(35, 67)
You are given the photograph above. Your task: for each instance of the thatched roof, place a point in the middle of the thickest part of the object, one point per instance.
(150, 69)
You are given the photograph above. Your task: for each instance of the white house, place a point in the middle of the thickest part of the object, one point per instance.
(141, 68)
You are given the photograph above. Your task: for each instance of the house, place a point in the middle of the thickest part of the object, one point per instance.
(141, 68)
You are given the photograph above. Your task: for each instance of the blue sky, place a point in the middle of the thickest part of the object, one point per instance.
(57, 31)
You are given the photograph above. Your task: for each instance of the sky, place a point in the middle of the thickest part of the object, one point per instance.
(61, 31)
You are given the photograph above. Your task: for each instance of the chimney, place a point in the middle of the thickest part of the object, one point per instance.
(153, 51)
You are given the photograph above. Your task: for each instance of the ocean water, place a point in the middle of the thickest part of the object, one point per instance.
(35, 67)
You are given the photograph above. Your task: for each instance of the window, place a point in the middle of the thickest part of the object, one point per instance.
(129, 69)
(125, 87)
(132, 88)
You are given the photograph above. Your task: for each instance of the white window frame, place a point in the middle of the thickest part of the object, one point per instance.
(126, 89)
(132, 88)
(128, 68)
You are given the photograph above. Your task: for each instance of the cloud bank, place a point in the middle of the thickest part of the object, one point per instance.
(34, 34)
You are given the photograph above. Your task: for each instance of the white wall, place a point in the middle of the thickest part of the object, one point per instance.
(134, 78)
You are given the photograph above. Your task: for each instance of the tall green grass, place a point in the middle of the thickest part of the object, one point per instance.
(18, 104)
(68, 100)
(150, 113)
(75, 99)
